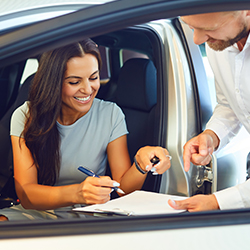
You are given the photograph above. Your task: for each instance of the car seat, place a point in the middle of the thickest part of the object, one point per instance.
(10, 77)
(136, 94)
(7, 188)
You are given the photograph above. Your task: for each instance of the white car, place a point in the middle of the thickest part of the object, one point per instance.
(182, 98)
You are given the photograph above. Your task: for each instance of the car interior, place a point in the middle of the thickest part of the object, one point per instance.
(130, 77)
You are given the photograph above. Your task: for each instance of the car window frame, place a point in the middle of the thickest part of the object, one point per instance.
(64, 29)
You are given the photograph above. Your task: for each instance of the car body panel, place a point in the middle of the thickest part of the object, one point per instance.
(176, 231)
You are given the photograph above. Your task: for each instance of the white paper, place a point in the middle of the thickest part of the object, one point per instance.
(136, 203)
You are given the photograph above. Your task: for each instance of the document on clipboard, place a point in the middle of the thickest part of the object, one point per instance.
(136, 203)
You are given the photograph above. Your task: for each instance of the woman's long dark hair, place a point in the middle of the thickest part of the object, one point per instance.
(40, 132)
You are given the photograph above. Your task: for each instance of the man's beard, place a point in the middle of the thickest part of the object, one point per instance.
(220, 45)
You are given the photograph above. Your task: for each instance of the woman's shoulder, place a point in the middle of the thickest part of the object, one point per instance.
(21, 110)
(18, 119)
(107, 110)
(105, 105)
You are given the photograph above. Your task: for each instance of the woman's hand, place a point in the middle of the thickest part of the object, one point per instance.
(95, 190)
(146, 154)
(128, 176)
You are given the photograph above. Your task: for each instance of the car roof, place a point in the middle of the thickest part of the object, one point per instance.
(15, 6)
(17, 13)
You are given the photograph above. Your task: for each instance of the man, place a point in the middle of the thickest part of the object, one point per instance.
(228, 51)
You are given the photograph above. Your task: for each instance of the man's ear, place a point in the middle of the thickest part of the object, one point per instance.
(248, 13)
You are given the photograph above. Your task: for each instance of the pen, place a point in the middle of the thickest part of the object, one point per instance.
(91, 173)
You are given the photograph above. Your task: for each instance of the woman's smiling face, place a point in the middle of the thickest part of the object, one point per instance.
(80, 86)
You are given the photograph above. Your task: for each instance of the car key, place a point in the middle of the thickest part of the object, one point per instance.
(155, 160)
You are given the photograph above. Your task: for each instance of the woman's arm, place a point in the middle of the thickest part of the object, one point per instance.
(41, 197)
(128, 176)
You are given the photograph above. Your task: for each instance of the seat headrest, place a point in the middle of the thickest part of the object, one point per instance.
(137, 85)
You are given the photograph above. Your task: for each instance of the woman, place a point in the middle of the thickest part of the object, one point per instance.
(63, 126)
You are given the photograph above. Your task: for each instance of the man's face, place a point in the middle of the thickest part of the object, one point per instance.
(219, 30)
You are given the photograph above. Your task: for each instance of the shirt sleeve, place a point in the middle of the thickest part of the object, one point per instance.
(234, 197)
(223, 122)
(18, 120)
(119, 127)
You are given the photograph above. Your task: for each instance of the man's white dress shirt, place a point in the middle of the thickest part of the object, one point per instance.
(231, 69)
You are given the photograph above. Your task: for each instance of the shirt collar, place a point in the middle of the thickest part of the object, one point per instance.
(235, 46)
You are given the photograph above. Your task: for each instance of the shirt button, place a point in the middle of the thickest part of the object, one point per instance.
(248, 118)
(237, 91)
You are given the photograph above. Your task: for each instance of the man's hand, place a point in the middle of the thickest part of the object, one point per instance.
(196, 203)
(199, 149)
